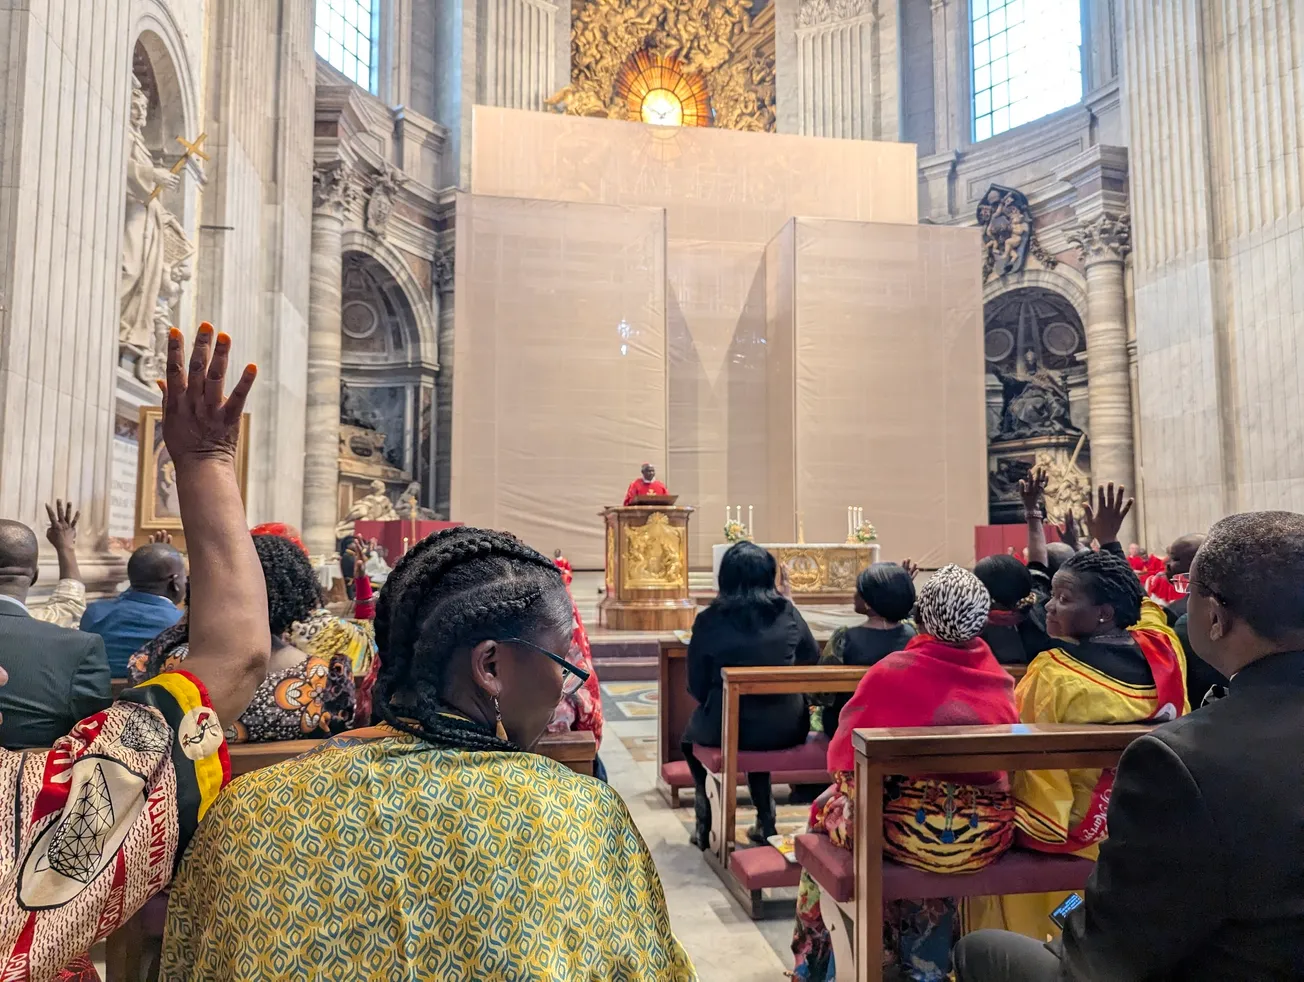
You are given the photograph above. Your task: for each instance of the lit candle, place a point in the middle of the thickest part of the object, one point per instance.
(749, 520)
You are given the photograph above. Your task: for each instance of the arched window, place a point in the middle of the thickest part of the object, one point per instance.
(1027, 61)
(348, 37)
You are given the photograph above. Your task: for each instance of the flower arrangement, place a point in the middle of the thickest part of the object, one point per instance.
(865, 533)
(736, 531)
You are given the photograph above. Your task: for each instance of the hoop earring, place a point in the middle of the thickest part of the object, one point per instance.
(498, 715)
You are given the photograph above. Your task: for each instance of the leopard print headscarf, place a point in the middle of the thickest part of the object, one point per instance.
(953, 605)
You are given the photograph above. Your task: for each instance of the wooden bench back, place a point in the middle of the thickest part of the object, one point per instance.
(953, 750)
(771, 680)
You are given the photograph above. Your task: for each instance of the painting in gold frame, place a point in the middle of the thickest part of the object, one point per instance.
(156, 498)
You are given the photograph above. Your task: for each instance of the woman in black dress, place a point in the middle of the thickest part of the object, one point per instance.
(1016, 625)
(885, 595)
(748, 623)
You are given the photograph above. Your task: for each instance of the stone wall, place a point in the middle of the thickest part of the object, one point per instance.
(1215, 90)
(251, 276)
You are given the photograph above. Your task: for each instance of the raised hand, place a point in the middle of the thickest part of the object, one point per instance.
(1069, 532)
(198, 422)
(161, 537)
(1106, 518)
(911, 567)
(785, 581)
(1031, 489)
(62, 532)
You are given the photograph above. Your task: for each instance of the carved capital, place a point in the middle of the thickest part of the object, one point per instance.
(334, 188)
(815, 13)
(936, 5)
(1105, 238)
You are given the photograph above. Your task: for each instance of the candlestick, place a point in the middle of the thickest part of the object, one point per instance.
(405, 545)
(750, 529)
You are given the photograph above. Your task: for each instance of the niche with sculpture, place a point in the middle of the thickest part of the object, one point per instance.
(1036, 401)
(157, 252)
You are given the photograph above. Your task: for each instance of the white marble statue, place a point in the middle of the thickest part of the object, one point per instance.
(374, 507)
(155, 249)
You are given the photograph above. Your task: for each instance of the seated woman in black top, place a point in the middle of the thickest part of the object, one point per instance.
(885, 595)
(748, 623)
(1016, 626)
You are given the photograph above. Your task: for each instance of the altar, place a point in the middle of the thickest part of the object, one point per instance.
(820, 573)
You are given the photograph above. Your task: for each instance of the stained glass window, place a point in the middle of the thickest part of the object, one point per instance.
(1027, 61)
(348, 36)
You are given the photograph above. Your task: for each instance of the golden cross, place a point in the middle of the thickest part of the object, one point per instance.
(192, 150)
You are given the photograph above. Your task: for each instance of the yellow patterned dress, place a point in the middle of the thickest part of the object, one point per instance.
(419, 863)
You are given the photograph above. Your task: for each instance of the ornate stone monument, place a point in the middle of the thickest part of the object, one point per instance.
(156, 251)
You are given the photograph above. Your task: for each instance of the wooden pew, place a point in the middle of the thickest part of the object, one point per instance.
(946, 750)
(748, 872)
(125, 948)
(675, 704)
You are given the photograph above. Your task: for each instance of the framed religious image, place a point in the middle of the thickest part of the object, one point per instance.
(156, 477)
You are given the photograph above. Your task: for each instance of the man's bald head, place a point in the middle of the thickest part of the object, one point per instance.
(159, 569)
(1182, 553)
(18, 554)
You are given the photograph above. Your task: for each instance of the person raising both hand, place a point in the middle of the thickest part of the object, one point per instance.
(143, 772)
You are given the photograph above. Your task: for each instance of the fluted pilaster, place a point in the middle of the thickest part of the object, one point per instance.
(1105, 242)
(334, 188)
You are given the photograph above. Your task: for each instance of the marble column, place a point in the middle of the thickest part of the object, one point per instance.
(333, 188)
(847, 71)
(1105, 241)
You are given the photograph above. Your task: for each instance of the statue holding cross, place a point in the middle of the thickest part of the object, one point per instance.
(155, 249)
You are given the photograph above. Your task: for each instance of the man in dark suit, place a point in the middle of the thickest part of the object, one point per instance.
(56, 676)
(1225, 783)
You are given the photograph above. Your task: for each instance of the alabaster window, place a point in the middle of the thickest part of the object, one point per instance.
(1027, 61)
(348, 37)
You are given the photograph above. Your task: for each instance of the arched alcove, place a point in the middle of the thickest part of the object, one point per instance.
(1032, 335)
(386, 385)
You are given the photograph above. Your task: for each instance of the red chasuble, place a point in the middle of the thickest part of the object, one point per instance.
(641, 487)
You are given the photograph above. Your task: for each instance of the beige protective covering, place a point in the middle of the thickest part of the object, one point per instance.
(559, 354)
(797, 366)
(726, 193)
(882, 325)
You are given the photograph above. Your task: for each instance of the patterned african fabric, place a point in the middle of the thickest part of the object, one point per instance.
(429, 864)
(936, 826)
(90, 830)
(314, 698)
(325, 635)
(929, 683)
(1064, 811)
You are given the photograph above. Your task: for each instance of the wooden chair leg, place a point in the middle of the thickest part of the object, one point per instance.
(124, 950)
(674, 798)
(841, 933)
(714, 795)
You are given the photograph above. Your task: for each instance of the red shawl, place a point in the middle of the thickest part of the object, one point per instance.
(930, 683)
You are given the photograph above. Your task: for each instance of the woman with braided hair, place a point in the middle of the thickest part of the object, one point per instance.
(1114, 659)
(444, 848)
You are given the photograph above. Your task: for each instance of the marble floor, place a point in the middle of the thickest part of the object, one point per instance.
(724, 943)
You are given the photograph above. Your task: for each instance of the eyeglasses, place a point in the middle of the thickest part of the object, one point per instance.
(573, 677)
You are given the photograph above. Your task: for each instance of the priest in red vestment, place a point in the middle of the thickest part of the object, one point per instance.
(1143, 563)
(647, 484)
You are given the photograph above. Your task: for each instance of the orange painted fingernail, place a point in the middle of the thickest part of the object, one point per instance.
(161, 387)
(223, 337)
(205, 327)
(174, 334)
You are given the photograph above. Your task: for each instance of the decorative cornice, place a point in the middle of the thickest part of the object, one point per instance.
(815, 13)
(334, 187)
(1105, 238)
